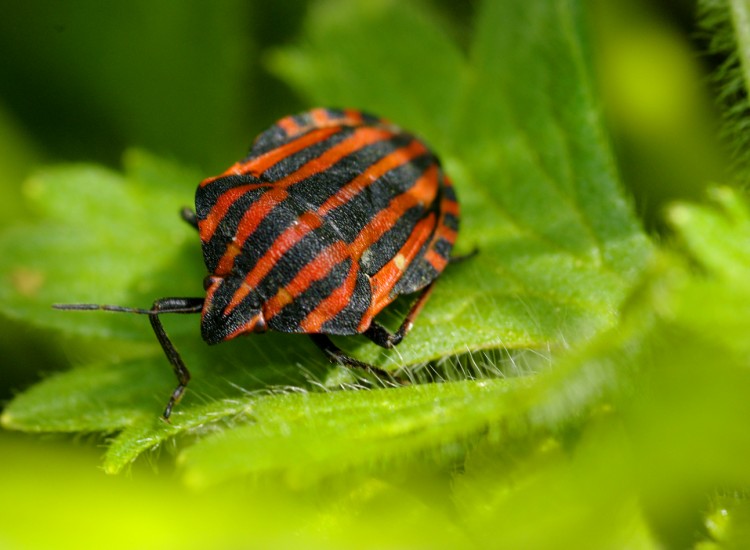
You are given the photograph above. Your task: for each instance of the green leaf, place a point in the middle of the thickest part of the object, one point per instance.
(403, 86)
(558, 250)
(304, 437)
(100, 237)
(541, 492)
(518, 126)
(675, 372)
(696, 405)
(130, 394)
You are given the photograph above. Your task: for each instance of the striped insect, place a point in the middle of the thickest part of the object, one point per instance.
(331, 216)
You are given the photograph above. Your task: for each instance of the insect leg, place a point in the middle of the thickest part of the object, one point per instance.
(173, 305)
(336, 355)
(190, 217)
(164, 305)
(462, 257)
(386, 339)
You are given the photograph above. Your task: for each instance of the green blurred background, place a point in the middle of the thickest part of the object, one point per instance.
(83, 81)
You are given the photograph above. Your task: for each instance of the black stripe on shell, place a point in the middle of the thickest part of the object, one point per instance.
(290, 317)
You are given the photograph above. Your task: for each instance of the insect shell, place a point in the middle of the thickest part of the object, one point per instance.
(331, 216)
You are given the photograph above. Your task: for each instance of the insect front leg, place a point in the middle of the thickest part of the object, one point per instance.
(164, 305)
(173, 305)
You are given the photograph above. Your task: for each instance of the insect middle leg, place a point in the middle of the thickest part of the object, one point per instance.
(336, 355)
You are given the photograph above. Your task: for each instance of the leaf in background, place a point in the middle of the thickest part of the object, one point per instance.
(90, 79)
(726, 29)
(100, 237)
(18, 347)
(559, 247)
(17, 157)
(675, 372)
(688, 422)
(544, 492)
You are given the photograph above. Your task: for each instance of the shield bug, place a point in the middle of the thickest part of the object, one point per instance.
(331, 216)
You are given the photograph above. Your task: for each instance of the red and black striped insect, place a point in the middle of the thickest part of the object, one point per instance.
(331, 216)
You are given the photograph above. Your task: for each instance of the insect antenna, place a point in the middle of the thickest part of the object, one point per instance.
(123, 309)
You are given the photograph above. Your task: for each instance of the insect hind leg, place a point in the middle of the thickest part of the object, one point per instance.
(381, 336)
(463, 257)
